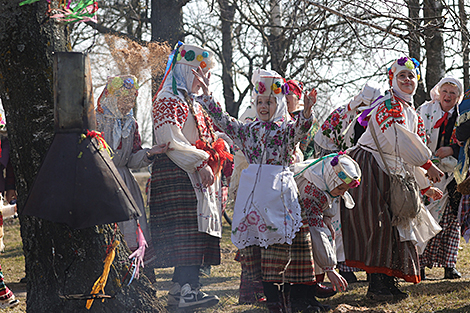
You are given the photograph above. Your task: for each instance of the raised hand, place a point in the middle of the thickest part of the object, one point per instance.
(309, 101)
(203, 78)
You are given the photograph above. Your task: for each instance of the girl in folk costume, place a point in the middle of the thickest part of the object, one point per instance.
(340, 131)
(320, 182)
(114, 118)
(267, 214)
(185, 208)
(374, 242)
(439, 116)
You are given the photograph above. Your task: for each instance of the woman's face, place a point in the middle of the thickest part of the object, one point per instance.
(340, 190)
(292, 102)
(406, 81)
(265, 107)
(448, 96)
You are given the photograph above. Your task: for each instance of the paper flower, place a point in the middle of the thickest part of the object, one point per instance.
(402, 61)
(261, 87)
(335, 161)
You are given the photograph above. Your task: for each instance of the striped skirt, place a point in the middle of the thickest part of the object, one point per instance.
(173, 219)
(370, 240)
(268, 264)
(442, 250)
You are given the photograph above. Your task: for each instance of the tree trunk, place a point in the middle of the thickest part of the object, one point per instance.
(276, 40)
(227, 12)
(434, 44)
(58, 260)
(167, 21)
(465, 45)
(414, 47)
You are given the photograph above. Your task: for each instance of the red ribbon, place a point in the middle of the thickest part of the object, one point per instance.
(217, 154)
(98, 136)
(442, 120)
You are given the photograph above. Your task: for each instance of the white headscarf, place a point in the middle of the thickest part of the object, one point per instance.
(404, 64)
(368, 94)
(281, 102)
(184, 78)
(323, 175)
(435, 91)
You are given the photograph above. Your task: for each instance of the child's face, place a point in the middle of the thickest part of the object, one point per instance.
(340, 190)
(265, 107)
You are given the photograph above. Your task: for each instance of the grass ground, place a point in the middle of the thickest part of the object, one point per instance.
(432, 295)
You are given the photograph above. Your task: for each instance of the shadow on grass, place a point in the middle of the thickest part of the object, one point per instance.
(462, 309)
(437, 287)
(13, 253)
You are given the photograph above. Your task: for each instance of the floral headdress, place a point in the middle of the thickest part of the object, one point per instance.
(344, 173)
(404, 63)
(191, 55)
(271, 85)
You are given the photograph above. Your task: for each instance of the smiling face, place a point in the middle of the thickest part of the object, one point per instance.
(340, 190)
(406, 81)
(265, 107)
(448, 96)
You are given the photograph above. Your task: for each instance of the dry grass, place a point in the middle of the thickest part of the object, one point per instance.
(432, 295)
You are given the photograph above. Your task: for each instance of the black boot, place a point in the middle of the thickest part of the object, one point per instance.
(349, 276)
(422, 273)
(451, 273)
(392, 284)
(378, 290)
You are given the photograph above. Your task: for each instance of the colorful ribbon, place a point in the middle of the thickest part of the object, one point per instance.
(217, 154)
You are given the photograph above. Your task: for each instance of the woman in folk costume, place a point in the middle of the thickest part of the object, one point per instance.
(185, 208)
(115, 119)
(374, 242)
(340, 131)
(320, 182)
(267, 214)
(439, 116)
(295, 106)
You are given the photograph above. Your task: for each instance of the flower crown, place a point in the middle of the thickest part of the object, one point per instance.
(408, 63)
(266, 85)
(353, 182)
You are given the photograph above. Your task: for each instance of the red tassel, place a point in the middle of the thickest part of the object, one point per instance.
(217, 154)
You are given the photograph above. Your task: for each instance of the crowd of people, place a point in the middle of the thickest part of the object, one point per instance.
(308, 200)
(372, 189)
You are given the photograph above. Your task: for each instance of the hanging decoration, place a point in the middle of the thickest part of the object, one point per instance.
(100, 283)
(71, 11)
(138, 255)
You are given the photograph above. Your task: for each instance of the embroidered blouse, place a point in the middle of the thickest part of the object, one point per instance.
(261, 142)
(173, 122)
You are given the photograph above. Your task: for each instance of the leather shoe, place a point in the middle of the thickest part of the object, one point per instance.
(422, 273)
(349, 276)
(323, 292)
(451, 273)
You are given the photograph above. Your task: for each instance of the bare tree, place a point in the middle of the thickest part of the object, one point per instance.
(59, 260)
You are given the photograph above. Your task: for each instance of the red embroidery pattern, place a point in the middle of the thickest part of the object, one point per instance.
(313, 200)
(202, 121)
(421, 129)
(169, 110)
(137, 143)
(385, 118)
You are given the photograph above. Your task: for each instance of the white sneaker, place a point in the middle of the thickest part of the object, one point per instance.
(174, 295)
(9, 303)
(192, 298)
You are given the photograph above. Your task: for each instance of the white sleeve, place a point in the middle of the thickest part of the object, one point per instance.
(185, 155)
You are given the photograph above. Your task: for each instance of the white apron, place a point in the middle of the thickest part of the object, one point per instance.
(266, 210)
(209, 208)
